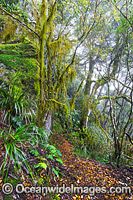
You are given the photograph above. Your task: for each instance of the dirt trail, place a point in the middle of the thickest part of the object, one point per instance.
(89, 174)
(83, 178)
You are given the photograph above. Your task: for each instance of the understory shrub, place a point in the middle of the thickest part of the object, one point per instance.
(93, 142)
(18, 144)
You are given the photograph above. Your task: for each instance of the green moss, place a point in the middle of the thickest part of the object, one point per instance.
(19, 49)
(18, 63)
(18, 57)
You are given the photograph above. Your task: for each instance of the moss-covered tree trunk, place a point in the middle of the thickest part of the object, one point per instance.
(86, 109)
(49, 92)
(45, 83)
(42, 103)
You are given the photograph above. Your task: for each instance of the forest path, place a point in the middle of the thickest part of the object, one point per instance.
(92, 176)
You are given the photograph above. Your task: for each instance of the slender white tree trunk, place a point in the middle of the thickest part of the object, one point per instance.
(48, 123)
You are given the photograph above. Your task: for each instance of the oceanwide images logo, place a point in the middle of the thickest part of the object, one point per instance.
(7, 188)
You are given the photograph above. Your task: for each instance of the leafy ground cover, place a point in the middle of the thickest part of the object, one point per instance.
(90, 173)
(75, 170)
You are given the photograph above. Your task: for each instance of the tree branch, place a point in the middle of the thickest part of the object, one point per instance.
(124, 16)
(76, 93)
(127, 156)
(23, 24)
(117, 97)
(122, 83)
(129, 137)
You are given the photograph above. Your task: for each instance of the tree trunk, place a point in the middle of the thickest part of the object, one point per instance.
(48, 123)
(87, 92)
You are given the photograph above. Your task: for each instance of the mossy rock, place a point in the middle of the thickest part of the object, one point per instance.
(19, 56)
(23, 50)
(21, 62)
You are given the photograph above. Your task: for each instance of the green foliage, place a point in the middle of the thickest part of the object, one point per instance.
(15, 105)
(11, 102)
(92, 142)
(56, 172)
(34, 152)
(56, 125)
(15, 7)
(9, 2)
(96, 139)
(123, 26)
(65, 124)
(105, 37)
(54, 154)
(42, 165)
(40, 135)
(75, 118)
(126, 158)
(50, 163)
(13, 142)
